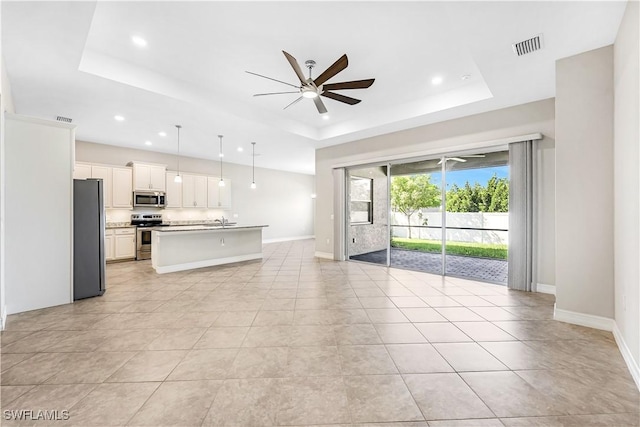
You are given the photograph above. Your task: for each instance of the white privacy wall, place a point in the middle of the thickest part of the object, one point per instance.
(282, 200)
(626, 80)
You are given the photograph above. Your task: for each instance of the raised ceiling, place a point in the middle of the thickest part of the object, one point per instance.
(77, 59)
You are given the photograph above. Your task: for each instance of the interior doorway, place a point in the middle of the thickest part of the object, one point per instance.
(446, 215)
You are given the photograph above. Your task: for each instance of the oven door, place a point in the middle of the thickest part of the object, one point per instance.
(144, 243)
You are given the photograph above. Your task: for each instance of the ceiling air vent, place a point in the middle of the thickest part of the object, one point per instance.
(528, 46)
(64, 119)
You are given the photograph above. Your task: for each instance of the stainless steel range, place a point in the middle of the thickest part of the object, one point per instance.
(145, 223)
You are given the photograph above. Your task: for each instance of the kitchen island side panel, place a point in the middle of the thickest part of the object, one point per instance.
(185, 250)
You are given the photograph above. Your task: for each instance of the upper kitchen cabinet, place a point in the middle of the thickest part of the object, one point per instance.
(194, 191)
(147, 176)
(122, 191)
(174, 191)
(219, 197)
(81, 171)
(87, 171)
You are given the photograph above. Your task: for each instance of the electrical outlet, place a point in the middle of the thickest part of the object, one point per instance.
(331, 217)
(353, 240)
(235, 215)
(328, 241)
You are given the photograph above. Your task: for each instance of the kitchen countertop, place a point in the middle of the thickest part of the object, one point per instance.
(110, 225)
(174, 228)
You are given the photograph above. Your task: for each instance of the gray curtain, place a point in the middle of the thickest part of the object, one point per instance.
(521, 215)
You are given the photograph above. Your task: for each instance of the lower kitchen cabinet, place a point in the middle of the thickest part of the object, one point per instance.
(109, 248)
(124, 243)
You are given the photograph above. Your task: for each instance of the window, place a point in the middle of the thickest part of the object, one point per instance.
(361, 207)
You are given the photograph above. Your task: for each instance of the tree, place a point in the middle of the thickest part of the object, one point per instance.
(411, 193)
(492, 198)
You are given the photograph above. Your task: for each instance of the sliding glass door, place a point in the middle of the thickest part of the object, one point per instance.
(477, 216)
(447, 215)
(416, 218)
(368, 214)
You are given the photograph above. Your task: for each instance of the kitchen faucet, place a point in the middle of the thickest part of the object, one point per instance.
(222, 221)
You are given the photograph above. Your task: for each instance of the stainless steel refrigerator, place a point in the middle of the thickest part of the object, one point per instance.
(88, 238)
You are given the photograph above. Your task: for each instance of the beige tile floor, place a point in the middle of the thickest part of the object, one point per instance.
(294, 340)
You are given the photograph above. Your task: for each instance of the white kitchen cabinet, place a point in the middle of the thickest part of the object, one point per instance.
(121, 188)
(109, 248)
(149, 177)
(104, 173)
(124, 243)
(174, 191)
(194, 191)
(81, 171)
(218, 197)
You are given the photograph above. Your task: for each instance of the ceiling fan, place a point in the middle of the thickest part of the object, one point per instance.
(461, 159)
(315, 88)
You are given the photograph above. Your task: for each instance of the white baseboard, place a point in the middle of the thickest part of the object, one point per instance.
(546, 289)
(633, 366)
(287, 239)
(206, 263)
(325, 255)
(3, 317)
(588, 320)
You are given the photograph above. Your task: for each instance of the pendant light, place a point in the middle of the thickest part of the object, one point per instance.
(178, 178)
(253, 166)
(221, 183)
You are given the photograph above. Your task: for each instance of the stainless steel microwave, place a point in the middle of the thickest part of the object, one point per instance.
(149, 199)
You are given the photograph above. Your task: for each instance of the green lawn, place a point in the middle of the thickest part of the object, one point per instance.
(483, 250)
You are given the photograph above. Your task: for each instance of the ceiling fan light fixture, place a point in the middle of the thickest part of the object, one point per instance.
(309, 93)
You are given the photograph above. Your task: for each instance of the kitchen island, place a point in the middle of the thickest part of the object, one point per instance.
(179, 248)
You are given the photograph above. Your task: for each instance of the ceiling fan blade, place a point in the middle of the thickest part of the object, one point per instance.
(441, 160)
(456, 159)
(296, 67)
(341, 98)
(334, 69)
(320, 105)
(275, 80)
(474, 155)
(274, 93)
(356, 84)
(292, 103)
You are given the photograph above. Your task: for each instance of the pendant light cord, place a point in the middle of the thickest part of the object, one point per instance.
(178, 127)
(220, 136)
(253, 163)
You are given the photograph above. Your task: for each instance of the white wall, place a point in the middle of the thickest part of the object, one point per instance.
(39, 214)
(584, 183)
(282, 200)
(6, 105)
(442, 137)
(627, 180)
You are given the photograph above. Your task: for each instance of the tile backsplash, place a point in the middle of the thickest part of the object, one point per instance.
(171, 215)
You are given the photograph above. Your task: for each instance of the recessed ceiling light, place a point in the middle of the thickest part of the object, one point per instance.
(119, 118)
(148, 143)
(465, 76)
(325, 116)
(240, 149)
(221, 155)
(162, 134)
(436, 80)
(139, 41)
